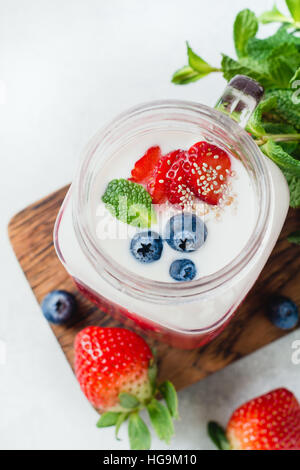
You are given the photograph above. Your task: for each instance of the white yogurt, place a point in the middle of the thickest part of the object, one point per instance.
(229, 228)
(226, 238)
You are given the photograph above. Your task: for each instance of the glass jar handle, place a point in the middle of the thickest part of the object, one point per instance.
(240, 98)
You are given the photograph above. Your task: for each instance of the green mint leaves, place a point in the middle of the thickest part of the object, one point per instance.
(275, 63)
(273, 16)
(130, 203)
(197, 68)
(294, 7)
(244, 28)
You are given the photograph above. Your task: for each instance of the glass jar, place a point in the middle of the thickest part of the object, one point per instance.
(186, 315)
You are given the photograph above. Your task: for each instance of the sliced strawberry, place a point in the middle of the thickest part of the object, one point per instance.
(210, 172)
(157, 183)
(144, 167)
(177, 189)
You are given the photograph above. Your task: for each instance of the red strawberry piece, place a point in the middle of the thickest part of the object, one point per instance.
(157, 183)
(269, 422)
(210, 172)
(109, 361)
(177, 188)
(116, 372)
(144, 167)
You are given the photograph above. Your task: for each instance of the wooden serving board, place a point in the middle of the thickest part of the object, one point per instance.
(30, 233)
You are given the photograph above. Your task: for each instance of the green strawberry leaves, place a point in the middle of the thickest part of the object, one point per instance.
(161, 416)
(128, 401)
(168, 392)
(107, 419)
(138, 432)
(218, 436)
(244, 28)
(161, 420)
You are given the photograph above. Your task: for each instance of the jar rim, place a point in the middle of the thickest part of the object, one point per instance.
(124, 279)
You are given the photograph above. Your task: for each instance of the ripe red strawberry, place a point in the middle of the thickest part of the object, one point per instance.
(109, 361)
(144, 167)
(157, 183)
(211, 168)
(269, 422)
(116, 371)
(177, 188)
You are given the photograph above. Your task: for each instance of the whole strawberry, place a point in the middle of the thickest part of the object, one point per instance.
(117, 373)
(269, 422)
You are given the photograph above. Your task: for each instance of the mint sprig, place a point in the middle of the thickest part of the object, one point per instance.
(130, 203)
(275, 63)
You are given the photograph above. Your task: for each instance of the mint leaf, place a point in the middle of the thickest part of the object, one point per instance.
(284, 130)
(255, 124)
(295, 77)
(294, 237)
(281, 158)
(128, 401)
(139, 435)
(198, 64)
(282, 62)
(161, 420)
(107, 419)
(260, 49)
(218, 436)
(273, 16)
(294, 7)
(129, 202)
(245, 27)
(246, 66)
(286, 109)
(169, 393)
(186, 75)
(294, 187)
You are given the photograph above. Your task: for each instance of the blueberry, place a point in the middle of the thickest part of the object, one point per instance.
(183, 270)
(147, 246)
(185, 232)
(283, 312)
(59, 306)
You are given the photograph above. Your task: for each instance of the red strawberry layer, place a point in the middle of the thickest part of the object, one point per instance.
(144, 167)
(181, 176)
(211, 168)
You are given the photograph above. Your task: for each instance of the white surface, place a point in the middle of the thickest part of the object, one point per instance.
(66, 68)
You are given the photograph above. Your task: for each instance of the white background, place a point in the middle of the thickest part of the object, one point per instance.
(66, 68)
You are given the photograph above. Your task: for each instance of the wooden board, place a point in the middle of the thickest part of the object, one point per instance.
(30, 233)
